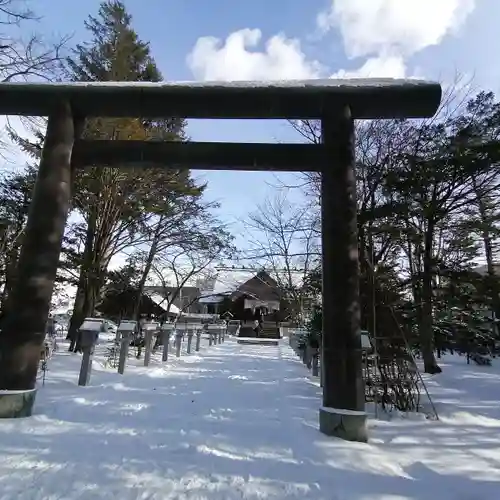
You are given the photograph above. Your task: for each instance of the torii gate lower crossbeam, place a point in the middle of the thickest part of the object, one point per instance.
(335, 102)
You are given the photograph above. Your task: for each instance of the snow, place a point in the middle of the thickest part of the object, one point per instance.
(162, 302)
(229, 281)
(257, 340)
(210, 298)
(241, 422)
(319, 83)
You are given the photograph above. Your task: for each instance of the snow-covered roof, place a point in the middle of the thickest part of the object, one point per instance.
(210, 298)
(229, 281)
(163, 303)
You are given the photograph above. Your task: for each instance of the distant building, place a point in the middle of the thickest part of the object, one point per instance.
(186, 298)
(243, 298)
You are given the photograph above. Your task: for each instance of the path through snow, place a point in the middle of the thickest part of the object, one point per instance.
(240, 422)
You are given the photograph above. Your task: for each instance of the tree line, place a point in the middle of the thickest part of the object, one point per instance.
(428, 217)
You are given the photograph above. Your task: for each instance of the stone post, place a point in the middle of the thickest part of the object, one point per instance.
(315, 364)
(126, 330)
(89, 333)
(309, 356)
(86, 366)
(166, 343)
(149, 330)
(189, 341)
(124, 346)
(178, 344)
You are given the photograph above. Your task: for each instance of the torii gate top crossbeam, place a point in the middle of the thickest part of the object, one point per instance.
(308, 99)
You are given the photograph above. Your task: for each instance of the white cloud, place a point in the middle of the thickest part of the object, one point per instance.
(404, 27)
(237, 58)
(385, 32)
(376, 67)
(282, 59)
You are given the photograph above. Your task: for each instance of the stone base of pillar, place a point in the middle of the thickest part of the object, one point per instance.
(17, 404)
(345, 424)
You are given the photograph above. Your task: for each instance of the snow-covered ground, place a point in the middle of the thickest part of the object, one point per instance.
(241, 422)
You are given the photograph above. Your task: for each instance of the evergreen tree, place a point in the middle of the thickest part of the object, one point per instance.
(15, 197)
(115, 202)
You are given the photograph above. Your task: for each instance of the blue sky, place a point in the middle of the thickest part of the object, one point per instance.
(429, 38)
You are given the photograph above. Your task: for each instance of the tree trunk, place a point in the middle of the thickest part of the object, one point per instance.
(492, 280)
(23, 331)
(147, 268)
(76, 316)
(426, 331)
(79, 313)
(93, 289)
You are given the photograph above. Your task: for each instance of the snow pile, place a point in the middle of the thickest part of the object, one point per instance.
(240, 422)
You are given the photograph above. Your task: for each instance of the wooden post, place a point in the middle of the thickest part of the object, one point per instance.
(198, 341)
(342, 414)
(23, 330)
(209, 337)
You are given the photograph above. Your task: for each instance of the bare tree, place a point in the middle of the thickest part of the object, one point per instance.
(284, 240)
(411, 185)
(25, 58)
(188, 223)
(177, 267)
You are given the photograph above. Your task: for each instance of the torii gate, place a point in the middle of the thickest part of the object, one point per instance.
(337, 103)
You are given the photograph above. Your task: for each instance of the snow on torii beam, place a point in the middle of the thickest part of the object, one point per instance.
(293, 100)
(335, 102)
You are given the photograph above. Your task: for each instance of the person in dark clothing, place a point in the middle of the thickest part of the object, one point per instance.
(256, 328)
(259, 316)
